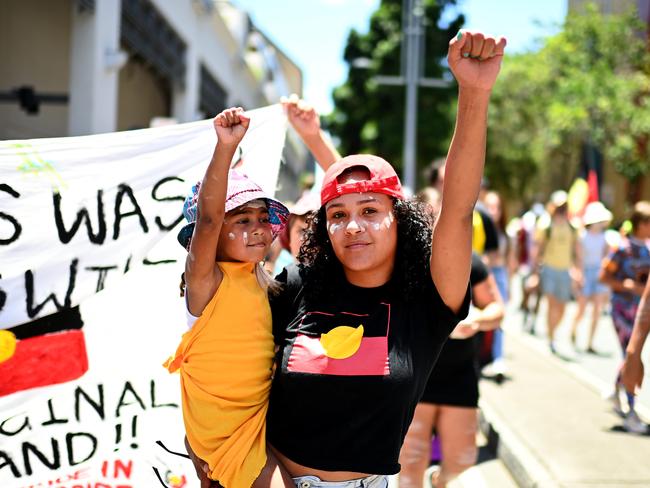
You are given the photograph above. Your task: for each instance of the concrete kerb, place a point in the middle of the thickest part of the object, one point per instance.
(524, 467)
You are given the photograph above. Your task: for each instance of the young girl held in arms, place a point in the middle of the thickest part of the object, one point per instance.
(225, 359)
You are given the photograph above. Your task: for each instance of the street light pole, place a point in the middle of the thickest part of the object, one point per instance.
(412, 35)
(411, 77)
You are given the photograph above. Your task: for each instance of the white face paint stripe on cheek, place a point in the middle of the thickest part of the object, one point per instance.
(333, 228)
(245, 235)
(388, 221)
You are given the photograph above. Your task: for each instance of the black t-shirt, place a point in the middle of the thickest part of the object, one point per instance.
(458, 352)
(343, 396)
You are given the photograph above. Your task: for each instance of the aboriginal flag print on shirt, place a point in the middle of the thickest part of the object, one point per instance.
(343, 343)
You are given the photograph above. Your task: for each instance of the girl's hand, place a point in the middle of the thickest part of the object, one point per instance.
(475, 59)
(231, 126)
(302, 116)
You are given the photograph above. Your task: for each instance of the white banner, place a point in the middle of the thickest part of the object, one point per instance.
(75, 214)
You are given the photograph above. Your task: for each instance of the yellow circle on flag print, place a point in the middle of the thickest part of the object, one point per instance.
(342, 342)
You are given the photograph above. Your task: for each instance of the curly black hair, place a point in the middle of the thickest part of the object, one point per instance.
(321, 269)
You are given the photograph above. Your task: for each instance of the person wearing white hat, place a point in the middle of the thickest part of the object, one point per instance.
(591, 248)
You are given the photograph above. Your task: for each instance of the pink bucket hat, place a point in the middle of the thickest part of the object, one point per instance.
(241, 190)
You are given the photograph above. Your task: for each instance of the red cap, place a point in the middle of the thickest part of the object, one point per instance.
(383, 178)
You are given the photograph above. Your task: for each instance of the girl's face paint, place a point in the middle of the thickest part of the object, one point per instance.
(245, 235)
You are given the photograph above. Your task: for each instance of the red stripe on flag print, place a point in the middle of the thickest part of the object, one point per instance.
(44, 360)
(308, 356)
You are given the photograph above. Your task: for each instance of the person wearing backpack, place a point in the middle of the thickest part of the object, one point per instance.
(554, 258)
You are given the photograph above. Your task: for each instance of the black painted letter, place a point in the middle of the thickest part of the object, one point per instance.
(17, 227)
(177, 198)
(126, 190)
(65, 236)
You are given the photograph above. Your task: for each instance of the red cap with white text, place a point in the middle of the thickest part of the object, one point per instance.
(383, 178)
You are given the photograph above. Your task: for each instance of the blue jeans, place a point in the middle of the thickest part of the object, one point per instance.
(556, 282)
(501, 277)
(374, 481)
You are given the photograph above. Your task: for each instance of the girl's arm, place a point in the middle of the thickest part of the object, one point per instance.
(202, 275)
(475, 61)
(305, 120)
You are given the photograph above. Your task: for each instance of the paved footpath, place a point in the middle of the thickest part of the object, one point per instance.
(549, 422)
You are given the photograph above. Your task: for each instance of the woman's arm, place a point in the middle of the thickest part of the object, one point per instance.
(577, 273)
(486, 297)
(608, 278)
(305, 120)
(632, 371)
(475, 61)
(202, 275)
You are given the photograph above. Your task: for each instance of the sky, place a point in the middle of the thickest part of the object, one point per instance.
(313, 33)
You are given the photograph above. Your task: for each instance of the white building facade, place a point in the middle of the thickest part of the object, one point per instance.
(75, 67)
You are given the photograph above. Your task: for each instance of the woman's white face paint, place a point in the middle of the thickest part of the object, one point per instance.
(386, 223)
(231, 236)
(333, 228)
(245, 235)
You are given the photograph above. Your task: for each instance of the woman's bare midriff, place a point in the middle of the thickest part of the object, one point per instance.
(296, 470)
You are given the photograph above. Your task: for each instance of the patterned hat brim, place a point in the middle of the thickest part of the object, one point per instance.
(278, 217)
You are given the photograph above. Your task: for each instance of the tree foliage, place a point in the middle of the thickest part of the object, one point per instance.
(590, 83)
(369, 117)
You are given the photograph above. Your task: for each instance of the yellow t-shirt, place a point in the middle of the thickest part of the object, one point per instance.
(559, 247)
(478, 233)
(225, 365)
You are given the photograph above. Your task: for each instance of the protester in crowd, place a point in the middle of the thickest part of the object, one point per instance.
(485, 241)
(555, 243)
(591, 249)
(450, 400)
(531, 289)
(625, 271)
(632, 370)
(306, 122)
(231, 225)
(292, 237)
(485, 238)
(362, 319)
(502, 265)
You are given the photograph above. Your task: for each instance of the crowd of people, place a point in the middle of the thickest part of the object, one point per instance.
(578, 258)
(356, 349)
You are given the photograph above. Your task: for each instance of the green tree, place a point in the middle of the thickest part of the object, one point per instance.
(588, 84)
(369, 117)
